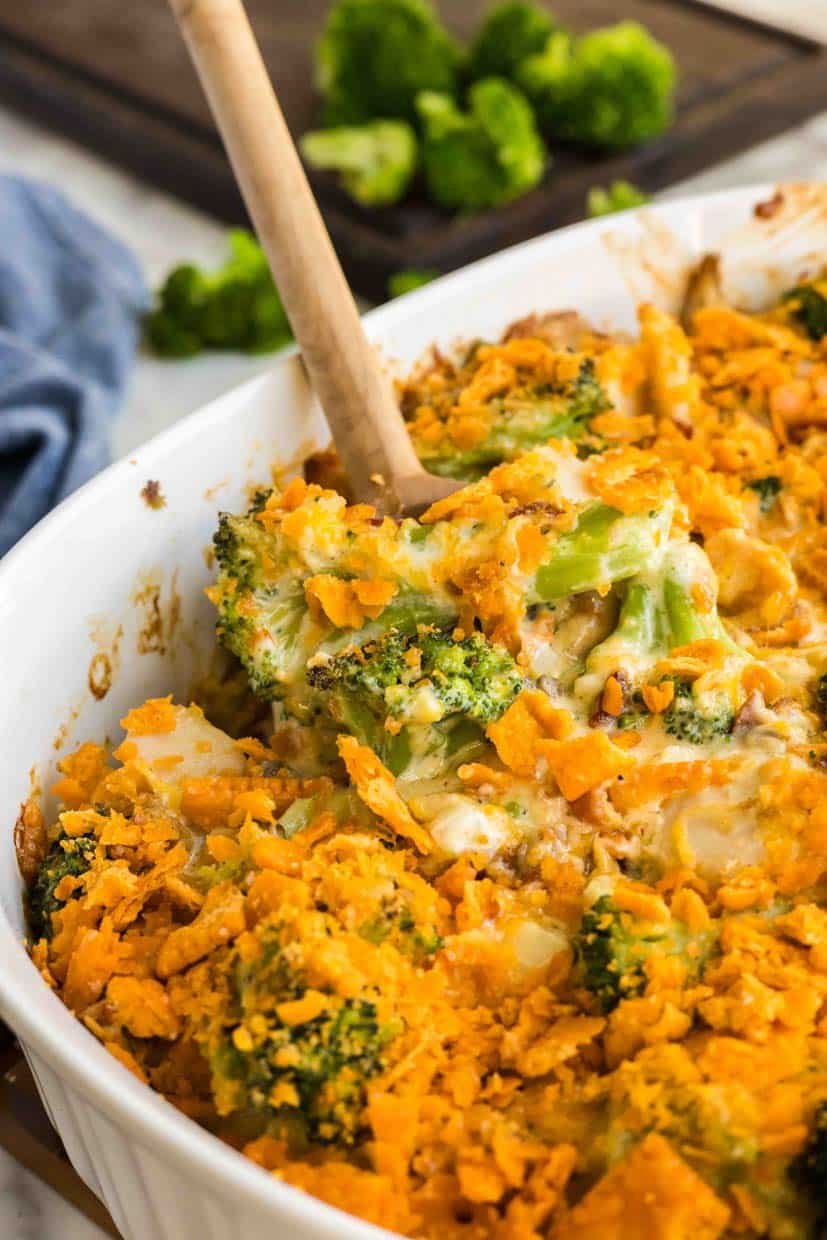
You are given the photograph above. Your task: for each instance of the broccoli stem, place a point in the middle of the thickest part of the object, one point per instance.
(376, 161)
(658, 612)
(685, 623)
(604, 547)
(639, 620)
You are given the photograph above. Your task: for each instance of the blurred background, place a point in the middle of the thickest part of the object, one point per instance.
(98, 98)
(434, 134)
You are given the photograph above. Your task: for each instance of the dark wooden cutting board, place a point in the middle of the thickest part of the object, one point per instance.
(115, 76)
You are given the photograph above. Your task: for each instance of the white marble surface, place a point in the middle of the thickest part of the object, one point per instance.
(163, 232)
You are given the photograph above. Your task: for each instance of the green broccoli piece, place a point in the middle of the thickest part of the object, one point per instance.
(610, 89)
(716, 1124)
(306, 1082)
(698, 719)
(377, 160)
(438, 693)
(808, 1171)
(68, 855)
(236, 307)
(767, 489)
(605, 546)
(395, 923)
(261, 620)
(808, 306)
(613, 947)
(620, 196)
(265, 620)
(683, 567)
(510, 33)
(639, 631)
(484, 157)
(402, 282)
(520, 422)
(820, 696)
(375, 56)
(657, 614)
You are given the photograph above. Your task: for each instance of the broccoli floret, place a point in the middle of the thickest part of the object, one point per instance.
(689, 718)
(377, 160)
(414, 695)
(767, 489)
(263, 616)
(402, 282)
(821, 697)
(613, 948)
(236, 307)
(305, 1079)
(468, 675)
(395, 924)
(484, 157)
(273, 625)
(808, 1171)
(510, 33)
(260, 619)
(612, 88)
(698, 720)
(808, 306)
(620, 196)
(375, 56)
(518, 423)
(716, 1124)
(68, 855)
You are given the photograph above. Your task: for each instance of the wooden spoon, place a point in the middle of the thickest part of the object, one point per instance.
(357, 397)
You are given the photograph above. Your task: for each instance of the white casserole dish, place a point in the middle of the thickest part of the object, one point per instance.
(108, 589)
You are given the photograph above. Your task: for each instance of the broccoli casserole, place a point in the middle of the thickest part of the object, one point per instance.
(505, 916)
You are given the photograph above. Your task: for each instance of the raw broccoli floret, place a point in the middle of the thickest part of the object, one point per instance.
(620, 196)
(510, 33)
(68, 855)
(235, 307)
(613, 948)
(808, 306)
(519, 423)
(767, 489)
(413, 695)
(808, 1170)
(375, 56)
(402, 282)
(483, 157)
(612, 88)
(306, 1079)
(698, 719)
(377, 160)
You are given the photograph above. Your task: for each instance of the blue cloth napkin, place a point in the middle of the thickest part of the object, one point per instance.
(70, 304)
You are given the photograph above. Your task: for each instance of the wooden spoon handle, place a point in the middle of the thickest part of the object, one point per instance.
(357, 398)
